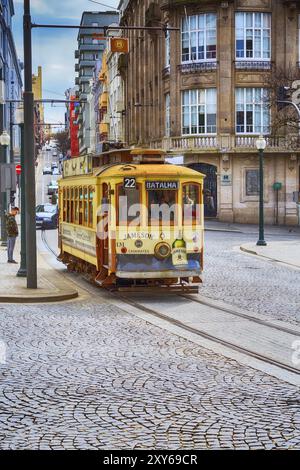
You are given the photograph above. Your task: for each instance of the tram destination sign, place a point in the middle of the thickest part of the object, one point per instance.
(162, 185)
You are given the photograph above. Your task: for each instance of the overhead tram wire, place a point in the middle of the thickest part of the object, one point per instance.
(104, 5)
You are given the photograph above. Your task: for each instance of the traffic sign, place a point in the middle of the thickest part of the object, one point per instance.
(18, 169)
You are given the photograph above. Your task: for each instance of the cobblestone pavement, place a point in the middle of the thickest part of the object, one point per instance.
(248, 281)
(84, 375)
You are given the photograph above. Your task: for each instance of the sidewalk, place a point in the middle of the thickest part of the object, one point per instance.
(216, 226)
(285, 251)
(52, 286)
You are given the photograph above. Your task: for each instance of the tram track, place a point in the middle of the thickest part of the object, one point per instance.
(196, 331)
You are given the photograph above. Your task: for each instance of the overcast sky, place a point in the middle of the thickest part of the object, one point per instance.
(53, 49)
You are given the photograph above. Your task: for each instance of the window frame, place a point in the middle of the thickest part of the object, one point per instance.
(197, 31)
(253, 28)
(200, 201)
(245, 111)
(126, 224)
(198, 104)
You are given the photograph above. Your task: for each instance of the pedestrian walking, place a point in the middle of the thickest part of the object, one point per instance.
(12, 233)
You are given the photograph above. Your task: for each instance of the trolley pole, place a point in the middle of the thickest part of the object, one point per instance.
(29, 166)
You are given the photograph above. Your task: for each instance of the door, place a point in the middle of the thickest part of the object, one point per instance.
(210, 191)
(103, 218)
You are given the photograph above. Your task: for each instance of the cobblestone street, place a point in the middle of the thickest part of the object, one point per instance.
(83, 375)
(248, 281)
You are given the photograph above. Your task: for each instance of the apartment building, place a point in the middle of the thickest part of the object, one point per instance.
(90, 49)
(201, 92)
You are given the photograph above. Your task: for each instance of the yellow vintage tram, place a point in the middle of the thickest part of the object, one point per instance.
(129, 220)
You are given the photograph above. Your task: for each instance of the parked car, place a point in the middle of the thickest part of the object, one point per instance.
(55, 171)
(46, 216)
(47, 170)
(52, 187)
(54, 165)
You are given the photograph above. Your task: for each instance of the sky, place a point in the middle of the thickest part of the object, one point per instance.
(53, 49)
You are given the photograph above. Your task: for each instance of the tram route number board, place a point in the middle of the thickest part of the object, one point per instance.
(162, 185)
(129, 183)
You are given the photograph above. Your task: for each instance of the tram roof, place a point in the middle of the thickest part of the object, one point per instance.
(149, 170)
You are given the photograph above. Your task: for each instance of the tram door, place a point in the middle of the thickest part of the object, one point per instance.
(210, 187)
(104, 218)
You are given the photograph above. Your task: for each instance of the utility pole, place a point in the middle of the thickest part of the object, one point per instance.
(3, 194)
(22, 272)
(29, 164)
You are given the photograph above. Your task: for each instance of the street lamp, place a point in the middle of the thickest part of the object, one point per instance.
(4, 142)
(261, 145)
(4, 139)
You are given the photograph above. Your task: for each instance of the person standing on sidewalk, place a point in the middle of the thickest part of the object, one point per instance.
(12, 233)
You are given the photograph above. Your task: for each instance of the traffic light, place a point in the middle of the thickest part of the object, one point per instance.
(283, 94)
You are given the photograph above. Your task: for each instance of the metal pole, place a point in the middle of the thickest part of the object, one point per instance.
(3, 193)
(22, 270)
(261, 239)
(29, 154)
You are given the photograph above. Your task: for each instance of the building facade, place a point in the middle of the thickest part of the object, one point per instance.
(11, 81)
(116, 105)
(201, 92)
(39, 130)
(72, 120)
(90, 49)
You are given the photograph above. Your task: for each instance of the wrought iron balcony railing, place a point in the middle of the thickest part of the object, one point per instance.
(253, 64)
(194, 67)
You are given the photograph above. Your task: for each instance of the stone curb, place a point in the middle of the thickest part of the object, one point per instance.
(28, 298)
(252, 252)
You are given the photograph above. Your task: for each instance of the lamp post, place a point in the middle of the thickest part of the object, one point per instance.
(4, 142)
(261, 145)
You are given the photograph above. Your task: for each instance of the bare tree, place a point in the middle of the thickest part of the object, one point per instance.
(285, 120)
(63, 141)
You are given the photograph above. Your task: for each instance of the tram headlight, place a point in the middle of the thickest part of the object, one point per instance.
(162, 250)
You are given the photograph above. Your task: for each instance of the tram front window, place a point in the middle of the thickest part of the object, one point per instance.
(162, 207)
(129, 210)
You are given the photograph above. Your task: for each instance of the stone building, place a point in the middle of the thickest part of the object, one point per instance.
(201, 92)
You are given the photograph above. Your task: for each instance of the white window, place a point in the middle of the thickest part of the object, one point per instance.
(199, 110)
(253, 36)
(199, 37)
(167, 58)
(252, 111)
(168, 115)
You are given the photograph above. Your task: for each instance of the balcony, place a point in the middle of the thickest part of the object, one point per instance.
(253, 64)
(169, 4)
(76, 54)
(103, 100)
(226, 144)
(76, 67)
(274, 144)
(195, 67)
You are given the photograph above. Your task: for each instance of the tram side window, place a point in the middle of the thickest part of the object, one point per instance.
(162, 207)
(68, 204)
(131, 211)
(72, 205)
(80, 221)
(76, 196)
(191, 203)
(64, 205)
(90, 205)
(85, 206)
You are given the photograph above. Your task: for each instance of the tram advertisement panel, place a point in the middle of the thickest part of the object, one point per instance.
(79, 238)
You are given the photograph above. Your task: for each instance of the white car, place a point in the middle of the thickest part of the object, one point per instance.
(47, 170)
(55, 171)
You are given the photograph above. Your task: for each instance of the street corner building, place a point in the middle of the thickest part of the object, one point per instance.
(201, 93)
